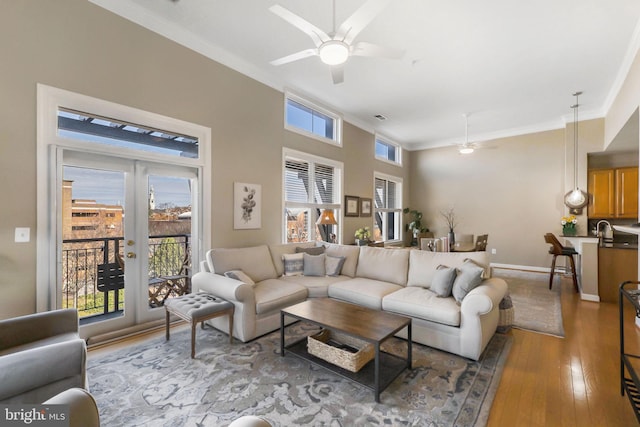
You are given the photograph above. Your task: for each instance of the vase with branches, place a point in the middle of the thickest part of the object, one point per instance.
(449, 216)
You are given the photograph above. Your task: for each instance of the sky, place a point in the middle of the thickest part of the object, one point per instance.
(107, 187)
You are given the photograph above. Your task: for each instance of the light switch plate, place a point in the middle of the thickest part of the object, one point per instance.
(22, 234)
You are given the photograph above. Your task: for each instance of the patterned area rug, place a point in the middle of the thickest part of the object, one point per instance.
(157, 383)
(536, 308)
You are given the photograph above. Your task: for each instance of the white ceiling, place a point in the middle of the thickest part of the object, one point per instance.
(511, 65)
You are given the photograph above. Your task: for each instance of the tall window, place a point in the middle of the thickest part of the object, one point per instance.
(304, 117)
(387, 207)
(388, 151)
(311, 185)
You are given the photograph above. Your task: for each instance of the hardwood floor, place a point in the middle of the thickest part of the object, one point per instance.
(571, 381)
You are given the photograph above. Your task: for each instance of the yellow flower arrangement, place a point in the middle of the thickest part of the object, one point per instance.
(569, 224)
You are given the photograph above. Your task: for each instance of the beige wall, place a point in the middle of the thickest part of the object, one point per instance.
(77, 46)
(511, 189)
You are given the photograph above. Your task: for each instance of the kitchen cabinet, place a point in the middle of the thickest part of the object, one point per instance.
(627, 193)
(614, 267)
(602, 195)
(613, 193)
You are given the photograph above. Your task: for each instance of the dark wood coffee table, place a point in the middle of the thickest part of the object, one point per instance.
(373, 326)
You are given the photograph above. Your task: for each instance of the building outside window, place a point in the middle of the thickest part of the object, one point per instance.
(311, 185)
(387, 207)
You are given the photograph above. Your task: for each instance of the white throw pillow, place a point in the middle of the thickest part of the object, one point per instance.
(293, 264)
(241, 276)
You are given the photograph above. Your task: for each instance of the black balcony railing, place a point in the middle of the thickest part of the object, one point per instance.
(85, 262)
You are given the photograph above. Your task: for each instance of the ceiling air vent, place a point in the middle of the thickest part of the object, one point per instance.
(380, 117)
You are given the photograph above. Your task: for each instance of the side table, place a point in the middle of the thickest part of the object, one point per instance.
(196, 308)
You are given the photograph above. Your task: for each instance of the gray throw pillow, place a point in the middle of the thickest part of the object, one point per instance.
(443, 281)
(318, 250)
(470, 276)
(333, 265)
(313, 265)
(293, 264)
(241, 276)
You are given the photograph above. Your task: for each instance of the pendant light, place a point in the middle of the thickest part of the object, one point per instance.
(575, 199)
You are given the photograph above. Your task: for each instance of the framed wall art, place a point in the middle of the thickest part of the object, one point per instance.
(365, 206)
(351, 206)
(247, 205)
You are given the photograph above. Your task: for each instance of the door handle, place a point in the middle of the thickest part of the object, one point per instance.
(131, 255)
(130, 243)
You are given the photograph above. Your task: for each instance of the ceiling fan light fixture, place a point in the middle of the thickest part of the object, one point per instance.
(333, 52)
(465, 150)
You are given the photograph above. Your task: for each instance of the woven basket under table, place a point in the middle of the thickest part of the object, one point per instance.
(317, 346)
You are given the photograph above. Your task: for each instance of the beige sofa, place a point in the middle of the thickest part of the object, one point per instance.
(394, 280)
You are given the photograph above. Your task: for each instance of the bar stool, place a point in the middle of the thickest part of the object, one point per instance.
(556, 250)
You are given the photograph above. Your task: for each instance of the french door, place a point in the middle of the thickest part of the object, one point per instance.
(126, 238)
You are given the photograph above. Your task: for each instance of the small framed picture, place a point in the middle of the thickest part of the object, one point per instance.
(365, 206)
(351, 206)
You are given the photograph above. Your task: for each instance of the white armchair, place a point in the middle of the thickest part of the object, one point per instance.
(41, 355)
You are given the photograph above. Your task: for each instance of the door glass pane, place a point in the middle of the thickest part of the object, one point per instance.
(169, 202)
(92, 228)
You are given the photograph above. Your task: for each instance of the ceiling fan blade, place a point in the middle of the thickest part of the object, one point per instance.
(317, 35)
(370, 49)
(295, 56)
(352, 26)
(337, 73)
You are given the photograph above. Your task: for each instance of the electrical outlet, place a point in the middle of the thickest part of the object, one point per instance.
(494, 251)
(22, 234)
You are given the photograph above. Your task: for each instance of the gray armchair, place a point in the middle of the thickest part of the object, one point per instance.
(41, 355)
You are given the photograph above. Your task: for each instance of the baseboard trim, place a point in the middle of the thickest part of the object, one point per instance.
(589, 297)
(520, 267)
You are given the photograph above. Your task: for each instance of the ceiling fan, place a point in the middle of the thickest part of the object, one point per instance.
(467, 147)
(336, 47)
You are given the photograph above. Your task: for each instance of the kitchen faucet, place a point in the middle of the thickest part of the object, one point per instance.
(608, 233)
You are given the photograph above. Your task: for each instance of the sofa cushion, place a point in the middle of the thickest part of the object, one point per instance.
(274, 294)
(350, 253)
(316, 285)
(314, 265)
(423, 264)
(315, 250)
(469, 277)
(293, 264)
(388, 265)
(333, 265)
(241, 276)
(285, 248)
(255, 261)
(362, 291)
(443, 281)
(423, 304)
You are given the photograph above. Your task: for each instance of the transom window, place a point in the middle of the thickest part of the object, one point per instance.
(304, 117)
(117, 133)
(311, 185)
(387, 207)
(388, 151)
